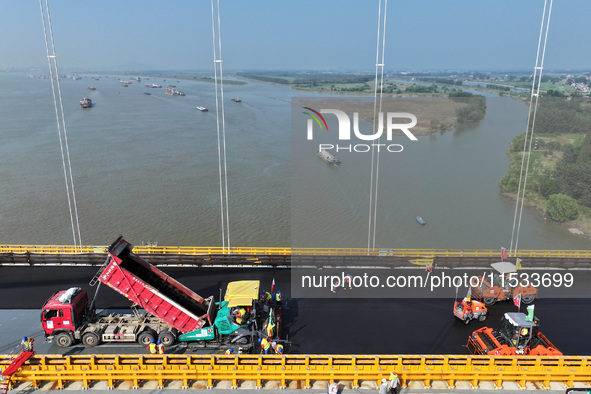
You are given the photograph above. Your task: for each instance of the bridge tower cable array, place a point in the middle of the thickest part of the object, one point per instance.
(377, 109)
(220, 121)
(60, 120)
(531, 121)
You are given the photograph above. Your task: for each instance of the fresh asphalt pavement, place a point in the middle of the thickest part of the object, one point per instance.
(329, 325)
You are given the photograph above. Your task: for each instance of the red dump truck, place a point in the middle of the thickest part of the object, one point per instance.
(171, 309)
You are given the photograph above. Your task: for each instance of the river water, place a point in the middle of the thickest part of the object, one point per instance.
(145, 166)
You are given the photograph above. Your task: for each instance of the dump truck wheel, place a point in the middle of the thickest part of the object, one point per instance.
(64, 339)
(146, 337)
(528, 299)
(167, 338)
(482, 317)
(488, 301)
(90, 339)
(466, 320)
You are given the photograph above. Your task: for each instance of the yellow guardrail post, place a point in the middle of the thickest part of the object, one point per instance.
(209, 373)
(193, 250)
(301, 370)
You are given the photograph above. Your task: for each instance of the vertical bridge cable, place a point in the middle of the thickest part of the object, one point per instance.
(60, 120)
(220, 118)
(531, 121)
(377, 112)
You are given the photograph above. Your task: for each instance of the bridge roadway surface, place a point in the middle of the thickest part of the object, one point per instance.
(313, 325)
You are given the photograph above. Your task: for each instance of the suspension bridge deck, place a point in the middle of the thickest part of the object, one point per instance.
(290, 257)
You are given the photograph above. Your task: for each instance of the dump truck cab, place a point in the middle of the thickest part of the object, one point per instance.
(63, 313)
(503, 284)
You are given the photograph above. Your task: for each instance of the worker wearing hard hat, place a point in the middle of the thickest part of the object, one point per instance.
(265, 345)
(277, 347)
(333, 388)
(383, 388)
(160, 347)
(152, 347)
(393, 382)
(27, 344)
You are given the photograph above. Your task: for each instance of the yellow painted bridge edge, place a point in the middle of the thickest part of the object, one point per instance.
(305, 369)
(196, 250)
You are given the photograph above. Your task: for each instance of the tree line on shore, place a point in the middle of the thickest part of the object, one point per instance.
(565, 187)
(474, 110)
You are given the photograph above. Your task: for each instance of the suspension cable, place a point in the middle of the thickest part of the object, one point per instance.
(220, 118)
(60, 120)
(531, 120)
(377, 109)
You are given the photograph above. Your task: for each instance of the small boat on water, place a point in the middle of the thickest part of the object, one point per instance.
(202, 109)
(173, 91)
(236, 100)
(86, 102)
(327, 157)
(91, 88)
(421, 220)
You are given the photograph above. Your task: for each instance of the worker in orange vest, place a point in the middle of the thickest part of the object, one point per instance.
(277, 347)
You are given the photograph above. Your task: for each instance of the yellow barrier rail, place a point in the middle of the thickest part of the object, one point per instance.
(304, 369)
(194, 250)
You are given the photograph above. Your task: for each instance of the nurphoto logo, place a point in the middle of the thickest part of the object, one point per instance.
(344, 132)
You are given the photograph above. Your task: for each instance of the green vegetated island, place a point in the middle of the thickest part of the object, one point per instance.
(438, 109)
(434, 114)
(559, 171)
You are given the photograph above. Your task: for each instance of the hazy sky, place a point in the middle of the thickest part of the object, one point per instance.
(296, 34)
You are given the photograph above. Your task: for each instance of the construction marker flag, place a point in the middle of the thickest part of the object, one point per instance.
(517, 300)
(518, 264)
(469, 295)
(272, 285)
(503, 253)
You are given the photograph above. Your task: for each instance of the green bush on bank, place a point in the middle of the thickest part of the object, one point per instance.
(562, 208)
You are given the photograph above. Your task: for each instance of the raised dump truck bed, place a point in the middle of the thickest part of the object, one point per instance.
(153, 290)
